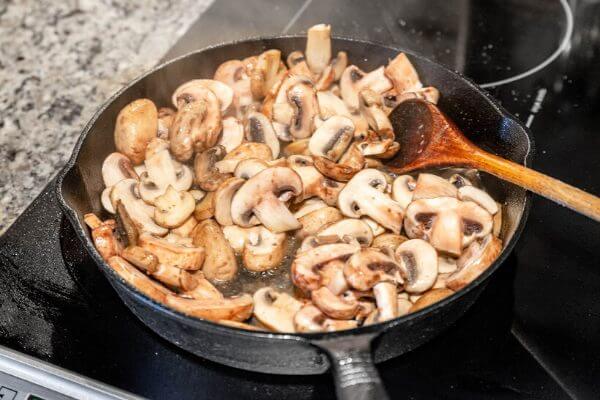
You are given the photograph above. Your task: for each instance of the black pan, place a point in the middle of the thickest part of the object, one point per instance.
(350, 354)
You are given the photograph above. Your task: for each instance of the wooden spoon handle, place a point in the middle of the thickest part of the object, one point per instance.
(553, 189)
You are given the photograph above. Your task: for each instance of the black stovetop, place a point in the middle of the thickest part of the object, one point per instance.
(535, 331)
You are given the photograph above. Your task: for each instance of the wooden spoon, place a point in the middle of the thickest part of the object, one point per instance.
(428, 138)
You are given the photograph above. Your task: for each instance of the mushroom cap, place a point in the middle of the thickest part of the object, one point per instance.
(313, 182)
(220, 264)
(355, 228)
(242, 152)
(448, 223)
(331, 105)
(264, 250)
(276, 310)
(205, 208)
(223, 196)
(338, 307)
(161, 172)
(258, 129)
(368, 267)
(173, 208)
(364, 195)
(313, 221)
(258, 197)
(389, 241)
(246, 169)
(418, 262)
(136, 126)
(115, 168)
(474, 261)
(332, 138)
(403, 189)
(430, 186)
(190, 92)
(308, 206)
(140, 213)
(238, 237)
(476, 195)
(459, 181)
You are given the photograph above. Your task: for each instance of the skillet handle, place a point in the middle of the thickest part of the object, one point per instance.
(354, 372)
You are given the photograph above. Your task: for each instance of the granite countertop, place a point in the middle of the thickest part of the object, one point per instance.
(59, 61)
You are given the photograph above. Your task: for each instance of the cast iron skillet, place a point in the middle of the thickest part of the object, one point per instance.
(350, 353)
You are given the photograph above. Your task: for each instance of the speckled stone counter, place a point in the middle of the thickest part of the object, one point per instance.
(59, 60)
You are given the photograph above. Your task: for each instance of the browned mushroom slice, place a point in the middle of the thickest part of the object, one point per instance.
(351, 227)
(448, 223)
(295, 58)
(402, 74)
(389, 241)
(429, 186)
(332, 277)
(305, 266)
(206, 173)
(136, 126)
(234, 74)
(139, 280)
(264, 73)
(313, 221)
(223, 196)
(191, 91)
(205, 208)
(318, 47)
(231, 308)
(429, 298)
(173, 208)
(103, 236)
(354, 80)
(185, 230)
(220, 264)
(364, 195)
(141, 258)
(246, 169)
(264, 250)
(257, 201)
(368, 267)
(243, 152)
(386, 298)
(240, 325)
(275, 310)
(127, 224)
(303, 99)
(258, 129)
(204, 290)
(313, 182)
(474, 261)
(115, 168)
(297, 147)
(165, 120)
(139, 212)
(176, 255)
(161, 172)
(497, 221)
(332, 138)
(331, 105)
(339, 64)
(337, 307)
(418, 262)
(311, 319)
(326, 79)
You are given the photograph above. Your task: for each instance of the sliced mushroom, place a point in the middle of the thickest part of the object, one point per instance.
(403, 189)
(474, 261)
(389, 241)
(349, 165)
(297, 147)
(404, 306)
(303, 99)
(386, 298)
(141, 258)
(430, 186)
(497, 221)
(276, 310)
(165, 120)
(313, 182)
(304, 270)
(173, 208)
(368, 267)
(331, 105)
(115, 168)
(332, 277)
(418, 262)
(173, 254)
(447, 223)
(354, 80)
(246, 169)
(471, 193)
(139, 280)
(220, 264)
(103, 236)
(264, 73)
(259, 198)
(364, 195)
(232, 308)
(295, 58)
(313, 221)
(264, 250)
(326, 79)
(429, 298)
(232, 134)
(204, 290)
(105, 200)
(243, 152)
(310, 319)
(185, 230)
(161, 172)
(238, 237)
(140, 213)
(446, 265)
(355, 228)
(308, 206)
(374, 114)
(222, 200)
(318, 47)
(234, 74)
(402, 74)
(194, 90)
(339, 64)
(205, 208)
(338, 307)
(332, 138)
(206, 173)
(459, 181)
(258, 129)
(136, 126)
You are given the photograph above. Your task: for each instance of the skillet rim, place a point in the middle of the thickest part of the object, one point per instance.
(197, 323)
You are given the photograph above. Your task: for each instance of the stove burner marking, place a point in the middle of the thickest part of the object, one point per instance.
(537, 105)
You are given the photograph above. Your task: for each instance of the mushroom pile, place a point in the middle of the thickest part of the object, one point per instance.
(278, 164)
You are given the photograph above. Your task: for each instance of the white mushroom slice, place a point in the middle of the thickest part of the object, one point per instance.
(403, 189)
(429, 298)
(354, 80)
(459, 181)
(303, 99)
(308, 206)
(242, 152)
(318, 47)
(338, 307)
(135, 127)
(446, 265)
(440, 281)
(232, 135)
(162, 172)
(368, 267)
(386, 297)
(471, 193)
(220, 264)
(223, 196)
(139, 212)
(313, 221)
(246, 169)
(355, 228)
(238, 237)
(232, 308)
(258, 197)
(305, 266)
(339, 64)
(363, 195)
(497, 221)
(189, 91)
(283, 113)
(173, 254)
(264, 250)
(474, 261)
(332, 277)
(276, 310)
(429, 186)
(313, 182)
(404, 306)
(105, 200)
(173, 208)
(448, 223)
(310, 320)
(375, 227)
(139, 169)
(402, 74)
(115, 168)
(388, 241)
(197, 194)
(330, 105)
(258, 129)
(419, 265)
(295, 58)
(332, 138)
(233, 73)
(185, 229)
